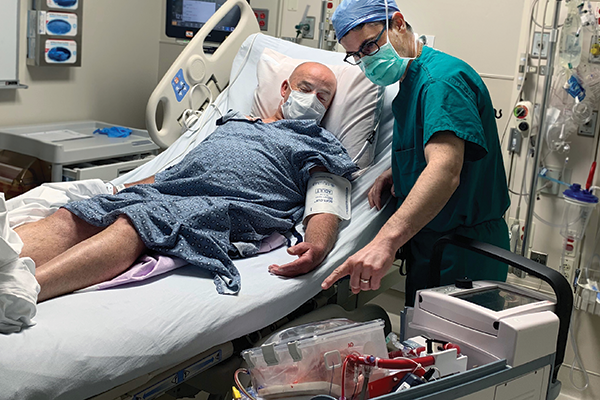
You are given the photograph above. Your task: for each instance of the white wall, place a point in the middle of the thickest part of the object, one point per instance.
(119, 70)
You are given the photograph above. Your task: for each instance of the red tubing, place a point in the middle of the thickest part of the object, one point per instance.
(400, 363)
(448, 346)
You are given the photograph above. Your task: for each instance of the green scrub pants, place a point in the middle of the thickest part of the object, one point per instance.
(456, 262)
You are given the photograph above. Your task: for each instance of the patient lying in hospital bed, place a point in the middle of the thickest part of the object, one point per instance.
(245, 181)
(117, 340)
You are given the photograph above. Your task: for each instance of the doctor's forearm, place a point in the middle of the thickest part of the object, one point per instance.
(427, 198)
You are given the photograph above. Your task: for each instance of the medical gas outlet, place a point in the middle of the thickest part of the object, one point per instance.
(523, 113)
(54, 33)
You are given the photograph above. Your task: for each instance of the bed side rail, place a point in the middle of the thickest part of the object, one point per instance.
(194, 66)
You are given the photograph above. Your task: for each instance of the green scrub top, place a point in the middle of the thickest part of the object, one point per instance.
(442, 93)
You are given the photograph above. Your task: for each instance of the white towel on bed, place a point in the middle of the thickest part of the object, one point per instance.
(18, 295)
(44, 200)
(18, 286)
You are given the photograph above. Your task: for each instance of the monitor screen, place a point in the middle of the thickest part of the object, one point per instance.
(497, 299)
(186, 17)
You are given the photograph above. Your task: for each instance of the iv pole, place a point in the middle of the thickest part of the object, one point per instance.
(539, 138)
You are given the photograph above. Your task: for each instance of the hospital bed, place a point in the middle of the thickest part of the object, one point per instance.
(133, 341)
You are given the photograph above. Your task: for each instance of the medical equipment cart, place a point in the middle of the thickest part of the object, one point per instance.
(75, 152)
(532, 370)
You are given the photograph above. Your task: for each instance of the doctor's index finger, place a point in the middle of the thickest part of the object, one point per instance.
(336, 275)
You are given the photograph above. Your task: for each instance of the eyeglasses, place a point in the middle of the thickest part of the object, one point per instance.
(366, 49)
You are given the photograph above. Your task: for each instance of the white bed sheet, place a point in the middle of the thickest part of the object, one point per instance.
(87, 343)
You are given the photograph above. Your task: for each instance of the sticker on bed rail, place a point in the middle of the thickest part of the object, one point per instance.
(180, 86)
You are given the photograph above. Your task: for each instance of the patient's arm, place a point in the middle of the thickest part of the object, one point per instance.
(321, 234)
(143, 181)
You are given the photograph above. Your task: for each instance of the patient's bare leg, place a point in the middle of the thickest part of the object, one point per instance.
(94, 260)
(45, 239)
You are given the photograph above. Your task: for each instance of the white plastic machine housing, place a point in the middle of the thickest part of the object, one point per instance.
(522, 329)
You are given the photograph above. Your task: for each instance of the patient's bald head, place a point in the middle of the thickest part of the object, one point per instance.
(311, 77)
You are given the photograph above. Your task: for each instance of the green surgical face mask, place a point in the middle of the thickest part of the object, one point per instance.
(385, 67)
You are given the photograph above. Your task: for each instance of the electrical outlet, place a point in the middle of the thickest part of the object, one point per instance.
(589, 128)
(570, 247)
(516, 234)
(540, 45)
(539, 257)
(567, 268)
(514, 144)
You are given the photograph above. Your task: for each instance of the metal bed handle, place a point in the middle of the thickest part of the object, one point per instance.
(560, 285)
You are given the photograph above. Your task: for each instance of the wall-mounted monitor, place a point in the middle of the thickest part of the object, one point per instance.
(186, 17)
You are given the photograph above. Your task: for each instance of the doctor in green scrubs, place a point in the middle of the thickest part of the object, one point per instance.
(447, 170)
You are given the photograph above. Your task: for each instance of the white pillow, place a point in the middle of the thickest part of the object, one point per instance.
(353, 115)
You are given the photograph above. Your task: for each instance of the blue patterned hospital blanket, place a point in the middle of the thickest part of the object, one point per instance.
(245, 181)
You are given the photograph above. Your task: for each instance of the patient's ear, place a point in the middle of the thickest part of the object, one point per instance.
(285, 85)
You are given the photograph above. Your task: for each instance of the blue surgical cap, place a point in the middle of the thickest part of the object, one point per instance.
(351, 13)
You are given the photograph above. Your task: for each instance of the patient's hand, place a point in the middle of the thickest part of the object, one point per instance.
(309, 255)
(383, 185)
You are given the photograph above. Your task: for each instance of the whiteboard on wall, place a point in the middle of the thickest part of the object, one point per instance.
(9, 44)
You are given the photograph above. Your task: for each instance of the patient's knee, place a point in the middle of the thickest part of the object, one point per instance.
(70, 222)
(126, 228)
(123, 222)
(62, 214)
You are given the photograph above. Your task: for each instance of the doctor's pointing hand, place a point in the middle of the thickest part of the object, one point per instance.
(447, 172)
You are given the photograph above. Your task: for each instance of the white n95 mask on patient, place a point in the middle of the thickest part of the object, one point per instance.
(303, 106)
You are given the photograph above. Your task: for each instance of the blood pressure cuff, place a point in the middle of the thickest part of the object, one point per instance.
(330, 194)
